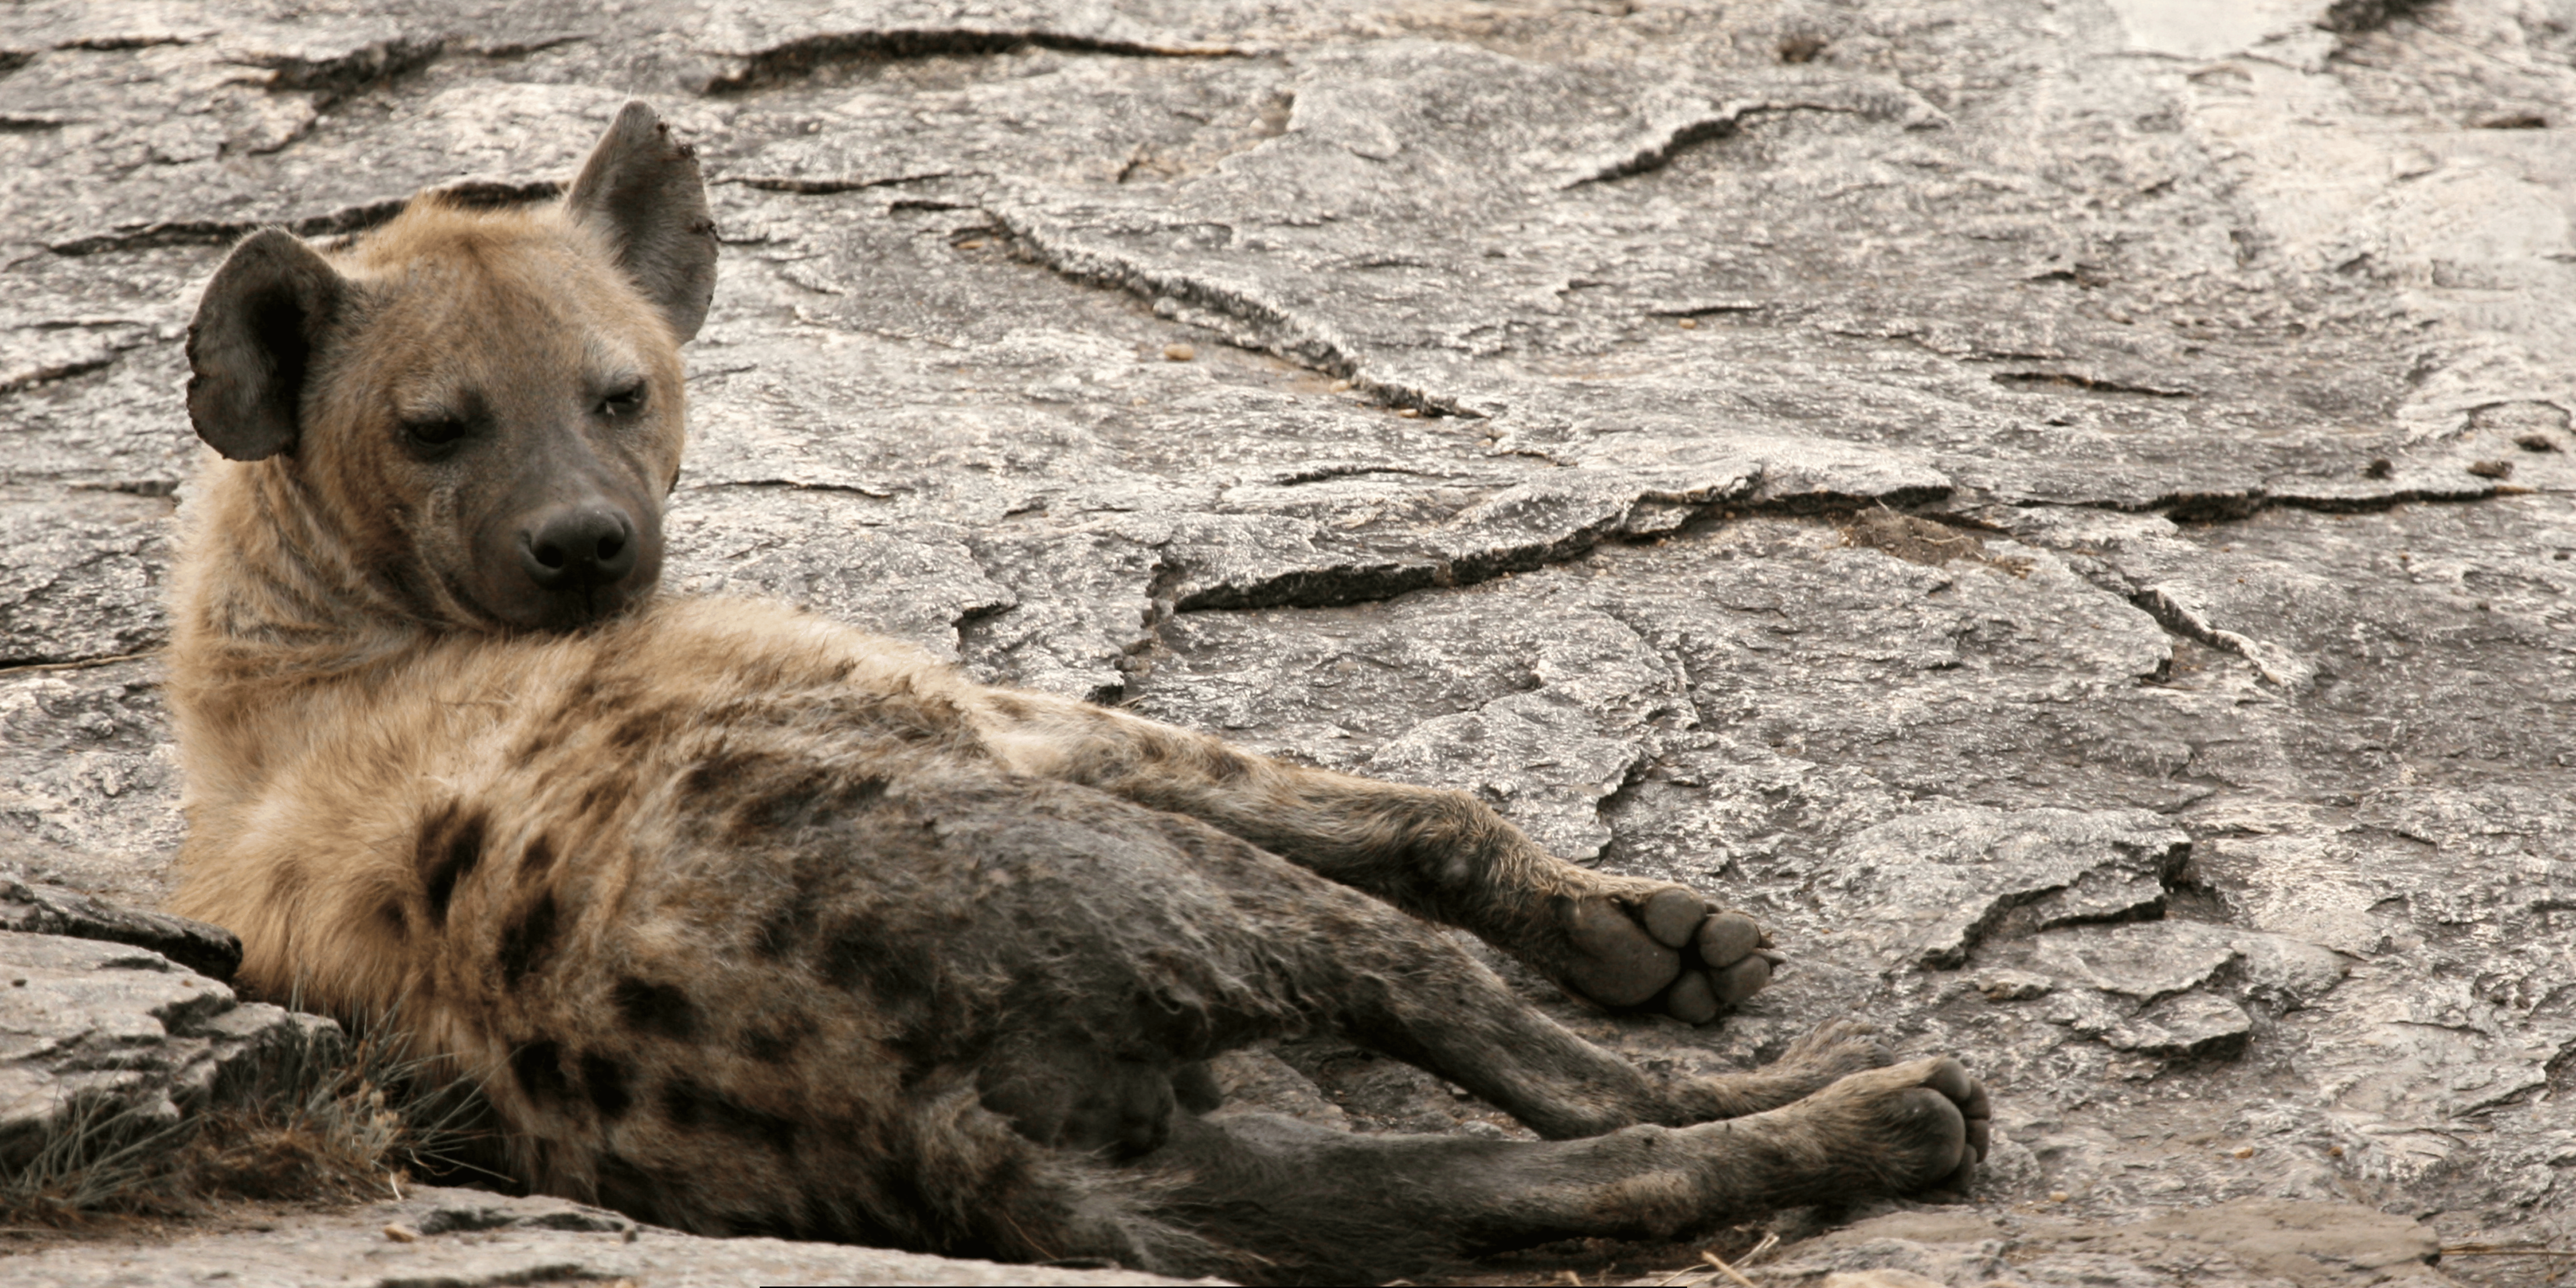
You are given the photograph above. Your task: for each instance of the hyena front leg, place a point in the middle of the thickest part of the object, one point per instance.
(1621, 941)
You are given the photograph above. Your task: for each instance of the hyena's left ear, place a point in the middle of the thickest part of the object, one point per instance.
(641, 189)
(252, 343)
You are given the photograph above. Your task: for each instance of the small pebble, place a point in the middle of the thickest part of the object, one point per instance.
(2536, 443)
(1408, 412)
(1178, 353)
(2334, 1151)
(402, 1234)
(2491, 469)
(1341, 386)
(1690, 324)
(2058, 1196)
(2245, 1152)
(970, 244)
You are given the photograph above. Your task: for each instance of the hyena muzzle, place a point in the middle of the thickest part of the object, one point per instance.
(748, 922)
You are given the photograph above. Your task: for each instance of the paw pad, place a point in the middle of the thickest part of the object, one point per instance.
(1616, 964)
(1673, 953)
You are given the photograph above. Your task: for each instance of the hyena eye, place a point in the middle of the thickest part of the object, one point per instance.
(440, 432)
(625, 402)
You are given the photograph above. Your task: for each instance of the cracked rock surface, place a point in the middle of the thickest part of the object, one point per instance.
(2062, 509)
(91, 1030)
(469, 1238)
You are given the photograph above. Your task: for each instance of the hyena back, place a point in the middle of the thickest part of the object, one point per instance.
(748, 922)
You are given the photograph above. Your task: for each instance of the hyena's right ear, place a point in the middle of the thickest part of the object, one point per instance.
(253, 340)
(641, 188)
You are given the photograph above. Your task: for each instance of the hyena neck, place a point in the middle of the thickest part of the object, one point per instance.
(264, 598)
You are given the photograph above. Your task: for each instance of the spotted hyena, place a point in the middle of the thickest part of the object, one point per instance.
(749, 922)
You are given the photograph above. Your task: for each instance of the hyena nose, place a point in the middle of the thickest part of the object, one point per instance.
(579, 548)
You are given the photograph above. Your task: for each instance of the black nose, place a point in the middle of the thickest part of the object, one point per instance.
(579, 548)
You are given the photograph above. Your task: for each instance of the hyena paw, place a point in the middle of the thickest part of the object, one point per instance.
(1906, 1129)
(1664, 949)
(1835, 1048)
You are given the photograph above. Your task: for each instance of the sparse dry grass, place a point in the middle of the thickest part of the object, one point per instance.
(335, 1122)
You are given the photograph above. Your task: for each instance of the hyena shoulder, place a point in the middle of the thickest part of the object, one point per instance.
(474, 770)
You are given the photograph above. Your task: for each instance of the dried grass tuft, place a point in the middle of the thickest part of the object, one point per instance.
(333, 1122)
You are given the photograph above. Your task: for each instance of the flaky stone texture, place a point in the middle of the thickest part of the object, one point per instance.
(2060, 508)
(2242, 1241)
(470, 1239)
(55, 910)
(93, 1033)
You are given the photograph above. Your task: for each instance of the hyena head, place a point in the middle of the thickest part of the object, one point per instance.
(482, 409)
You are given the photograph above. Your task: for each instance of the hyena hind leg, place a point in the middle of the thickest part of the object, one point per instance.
(1329, 1206)
(1389, 982)
(1624, 942)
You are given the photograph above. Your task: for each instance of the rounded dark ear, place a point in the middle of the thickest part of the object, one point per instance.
(641, 188)
(253, 341)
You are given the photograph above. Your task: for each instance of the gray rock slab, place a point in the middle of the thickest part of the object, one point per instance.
(914, 584)
(89, 785)
(52, 910)
(470, 1238)
(1948, 877)
(92, 1031)
(86, 588)
(2154, 960)
(2147, 963)
(2187, 1024)
(2241, 1244)
(2061, 511)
